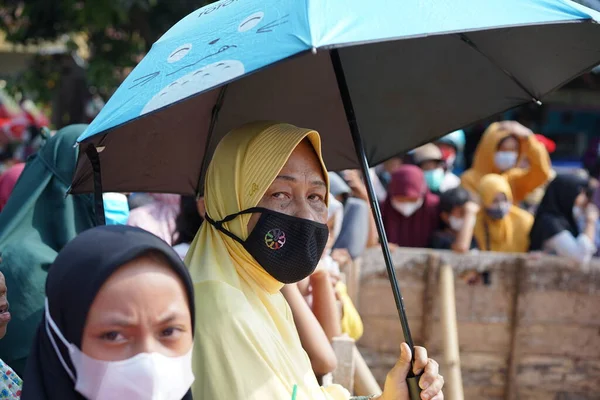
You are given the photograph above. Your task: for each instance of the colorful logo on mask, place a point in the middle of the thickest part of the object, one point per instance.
(275, 239)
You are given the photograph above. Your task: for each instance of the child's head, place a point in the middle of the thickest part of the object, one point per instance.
(452, 207)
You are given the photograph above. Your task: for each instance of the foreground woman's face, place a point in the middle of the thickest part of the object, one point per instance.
(141, 308)
(299, 190)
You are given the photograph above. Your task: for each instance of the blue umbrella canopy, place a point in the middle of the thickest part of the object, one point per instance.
(413, 70)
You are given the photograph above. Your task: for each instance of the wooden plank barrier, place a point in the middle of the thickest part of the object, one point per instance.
(528, 327)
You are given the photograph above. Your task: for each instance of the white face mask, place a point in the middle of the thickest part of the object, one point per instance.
(505, 160)
(407, 208)
(456, 224)
(146, 376)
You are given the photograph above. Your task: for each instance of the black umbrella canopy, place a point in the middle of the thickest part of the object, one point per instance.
(404, 93)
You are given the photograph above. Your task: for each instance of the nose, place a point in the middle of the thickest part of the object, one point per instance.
(304, 210)
(147, 344)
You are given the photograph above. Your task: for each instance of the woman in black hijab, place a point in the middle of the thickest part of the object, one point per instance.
(118, 322)
(555, 229)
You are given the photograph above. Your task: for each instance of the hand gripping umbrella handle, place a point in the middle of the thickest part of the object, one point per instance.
(414, 391)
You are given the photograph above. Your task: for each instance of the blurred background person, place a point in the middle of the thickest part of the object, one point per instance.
(555, 229)
(458, 215)
(357, 227)
(501, 147)
(8, 180)
(187, 223)
(157, 217)
(10, 383)
(36, 223)
(501, 226)
(452, 146)
(429, 158)
(410, 212)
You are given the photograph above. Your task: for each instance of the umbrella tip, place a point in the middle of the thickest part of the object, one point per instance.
(536, 101)
(314, 50)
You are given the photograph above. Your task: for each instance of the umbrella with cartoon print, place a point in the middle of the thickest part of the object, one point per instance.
(374, 78)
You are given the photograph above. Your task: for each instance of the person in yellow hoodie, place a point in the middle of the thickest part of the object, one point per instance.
(266, 197)
(499, 151)
(501, 226)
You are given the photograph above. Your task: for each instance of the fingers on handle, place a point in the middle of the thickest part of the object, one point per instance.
(421, 360)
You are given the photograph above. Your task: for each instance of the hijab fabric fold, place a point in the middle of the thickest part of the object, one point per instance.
(36, 223)
(555, 212)
(416, 230)
(246, 345)
(75, 278)
(509, 234)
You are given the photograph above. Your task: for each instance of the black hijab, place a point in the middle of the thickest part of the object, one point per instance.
(555, 212)
(74, 279)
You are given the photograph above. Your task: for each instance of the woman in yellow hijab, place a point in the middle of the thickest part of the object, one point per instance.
(266, 197)
(501, 226)
(499, 151)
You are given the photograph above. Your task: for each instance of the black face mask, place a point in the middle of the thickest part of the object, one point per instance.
(288, 248)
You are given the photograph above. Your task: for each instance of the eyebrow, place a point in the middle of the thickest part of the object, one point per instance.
(122, 321)
(288, 178)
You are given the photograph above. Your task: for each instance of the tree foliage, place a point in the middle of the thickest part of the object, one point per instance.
(118, 33)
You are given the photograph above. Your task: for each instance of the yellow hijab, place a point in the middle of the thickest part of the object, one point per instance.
(246, 344)
(521, 180)
(511, 233)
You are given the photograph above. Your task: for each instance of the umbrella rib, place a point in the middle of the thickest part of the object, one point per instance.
(471, 44)
(213, 122)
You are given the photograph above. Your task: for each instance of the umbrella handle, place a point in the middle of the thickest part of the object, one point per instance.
(414, 391)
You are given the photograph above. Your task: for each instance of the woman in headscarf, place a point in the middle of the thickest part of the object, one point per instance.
(501, 226)
(36, 223)
(157, 217)
(499, 151)
(118, 321)
(266, 199)
(8, 180)
(410, 212)
(555, 229)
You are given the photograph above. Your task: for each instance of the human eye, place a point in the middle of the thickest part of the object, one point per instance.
(317, 197)
(112, 336)
(171, 332)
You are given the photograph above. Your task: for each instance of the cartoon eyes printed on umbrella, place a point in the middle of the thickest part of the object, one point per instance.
(195, 82)
(221, 50)
(179, 53)
(251, 21)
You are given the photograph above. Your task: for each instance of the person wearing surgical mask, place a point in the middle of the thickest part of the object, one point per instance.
(501, 226)
(500, 150)
(118, 321)
(410, 212)
(429, 158)
(556, 229)
(458, 216)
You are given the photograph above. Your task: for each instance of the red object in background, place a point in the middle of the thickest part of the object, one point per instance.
(549, 144)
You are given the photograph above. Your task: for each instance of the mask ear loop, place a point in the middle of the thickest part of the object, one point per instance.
(219, 224)
(50, 323)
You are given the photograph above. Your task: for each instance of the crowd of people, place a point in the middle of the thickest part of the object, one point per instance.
(111, 312)
(198, 298)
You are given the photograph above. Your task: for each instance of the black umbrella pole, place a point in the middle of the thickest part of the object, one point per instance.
(412, 380)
